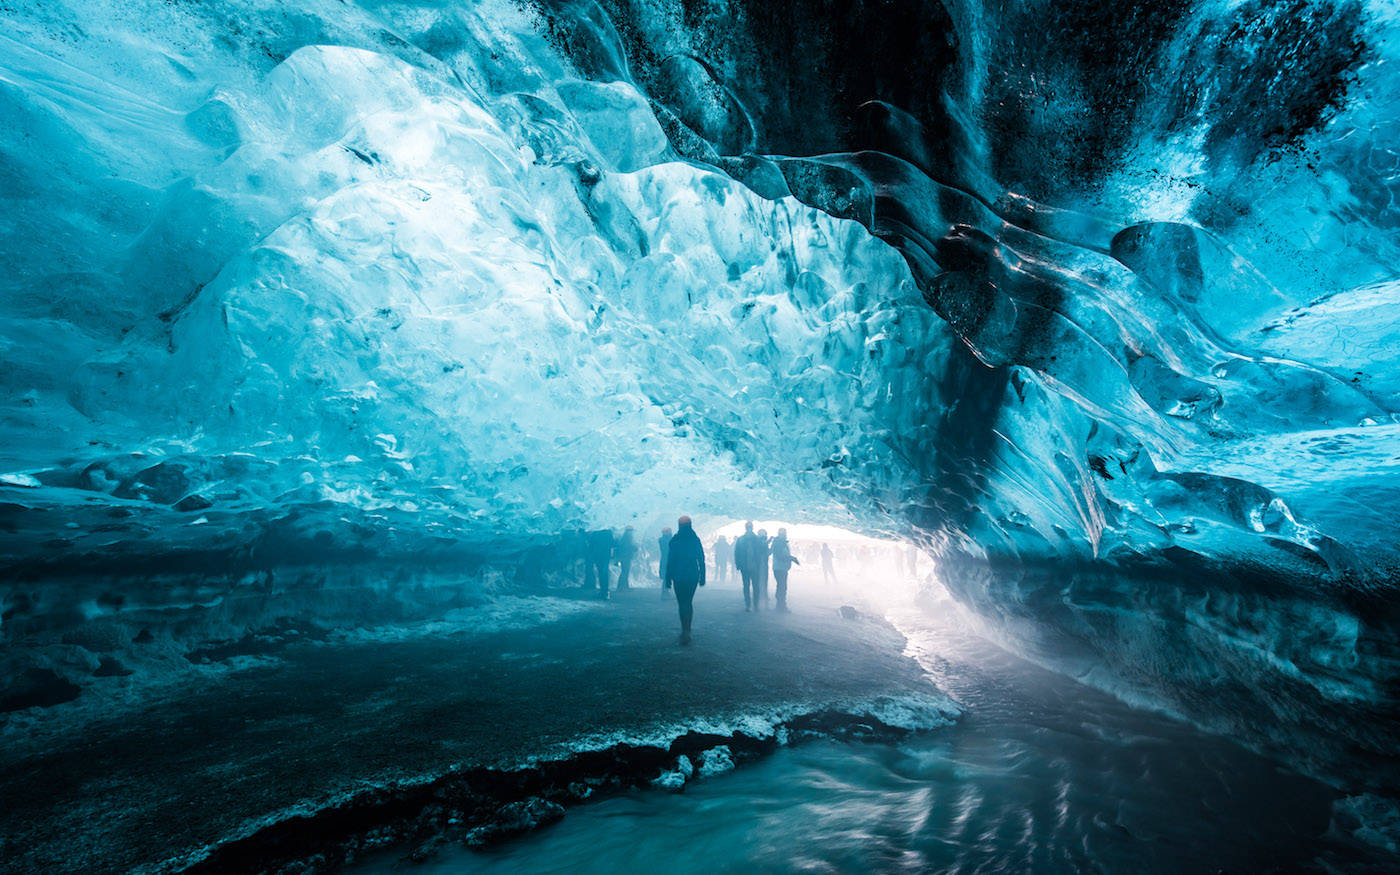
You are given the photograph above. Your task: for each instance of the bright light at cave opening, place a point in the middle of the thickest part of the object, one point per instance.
(859, 567)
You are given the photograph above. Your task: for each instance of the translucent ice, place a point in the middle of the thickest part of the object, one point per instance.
(1096, 302)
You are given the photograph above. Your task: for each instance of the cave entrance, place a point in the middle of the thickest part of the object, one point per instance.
(861, 568)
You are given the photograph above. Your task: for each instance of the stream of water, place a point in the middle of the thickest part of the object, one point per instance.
(1043, 774)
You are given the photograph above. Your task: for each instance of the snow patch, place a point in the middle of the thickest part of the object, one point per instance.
(912, 712)
(715, 761)
(674, 779)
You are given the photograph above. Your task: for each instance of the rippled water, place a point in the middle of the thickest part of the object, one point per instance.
(1043, 774)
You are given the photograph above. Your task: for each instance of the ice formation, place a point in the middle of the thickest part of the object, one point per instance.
(1098, 303)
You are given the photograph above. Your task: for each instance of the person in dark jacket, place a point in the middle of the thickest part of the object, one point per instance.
(745, 549)
(724, 555)
(685, 570)
(625, 551)
(664, 542)
(600, 550)
(783, 560)
(760, 552)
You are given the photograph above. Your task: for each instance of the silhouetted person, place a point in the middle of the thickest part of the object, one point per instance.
(760, 558)
(575, 550)
(783, 560)
(828, 572)
(625, 551)
(724, 554)
(600, 550)
(685, 570)
(664, 542)
(745, 559)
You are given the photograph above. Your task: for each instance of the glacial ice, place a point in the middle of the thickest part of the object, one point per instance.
(421, 322)
(288, 285)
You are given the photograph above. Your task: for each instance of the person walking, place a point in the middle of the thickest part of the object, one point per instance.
(828, 571)
(760, 553)
(664, 543)
(745, 548)
(783, 560)
(600, 551)
(685, 571)
(724, 555)
(625, 552)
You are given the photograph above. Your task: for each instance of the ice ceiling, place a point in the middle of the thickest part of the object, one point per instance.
(1062, 291)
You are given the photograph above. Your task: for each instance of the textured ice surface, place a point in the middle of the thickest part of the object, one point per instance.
(1103, 286)
(906, 713)
(392, 310)
(1371, 819)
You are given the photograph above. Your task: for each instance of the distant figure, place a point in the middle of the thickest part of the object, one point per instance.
(664, 542)
(760, 559)
(576, 551)
(625, 551)
(600, 550)
(828, 571)
(783, 560)
(685, 570)
(745, 556)
(724, 554)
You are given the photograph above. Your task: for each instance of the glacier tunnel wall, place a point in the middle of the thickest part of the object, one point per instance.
(1096, 301)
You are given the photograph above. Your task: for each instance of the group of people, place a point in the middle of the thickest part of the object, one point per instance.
(682, 566)
(751, 555)
(600, 551)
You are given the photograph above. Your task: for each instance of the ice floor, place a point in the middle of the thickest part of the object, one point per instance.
(1041, 774)
(318, 315)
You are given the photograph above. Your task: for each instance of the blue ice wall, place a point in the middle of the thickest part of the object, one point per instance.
(1097, 301)
(323, 286)
(1164, 455)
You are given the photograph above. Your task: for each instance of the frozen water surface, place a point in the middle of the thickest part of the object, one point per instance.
(1042, 774)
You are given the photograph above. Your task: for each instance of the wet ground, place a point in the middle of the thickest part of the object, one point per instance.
(1042, 774)
(150, 785)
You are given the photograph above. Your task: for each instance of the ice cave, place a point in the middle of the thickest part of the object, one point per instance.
(361, 358)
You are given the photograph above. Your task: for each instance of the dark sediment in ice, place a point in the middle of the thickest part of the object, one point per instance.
(477, 807)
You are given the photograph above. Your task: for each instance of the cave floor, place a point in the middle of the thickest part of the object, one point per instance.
(148, 787)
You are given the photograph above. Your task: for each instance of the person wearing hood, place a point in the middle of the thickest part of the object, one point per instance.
(685, 571)
(745, 560)
(600, 550)
(783, 560)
